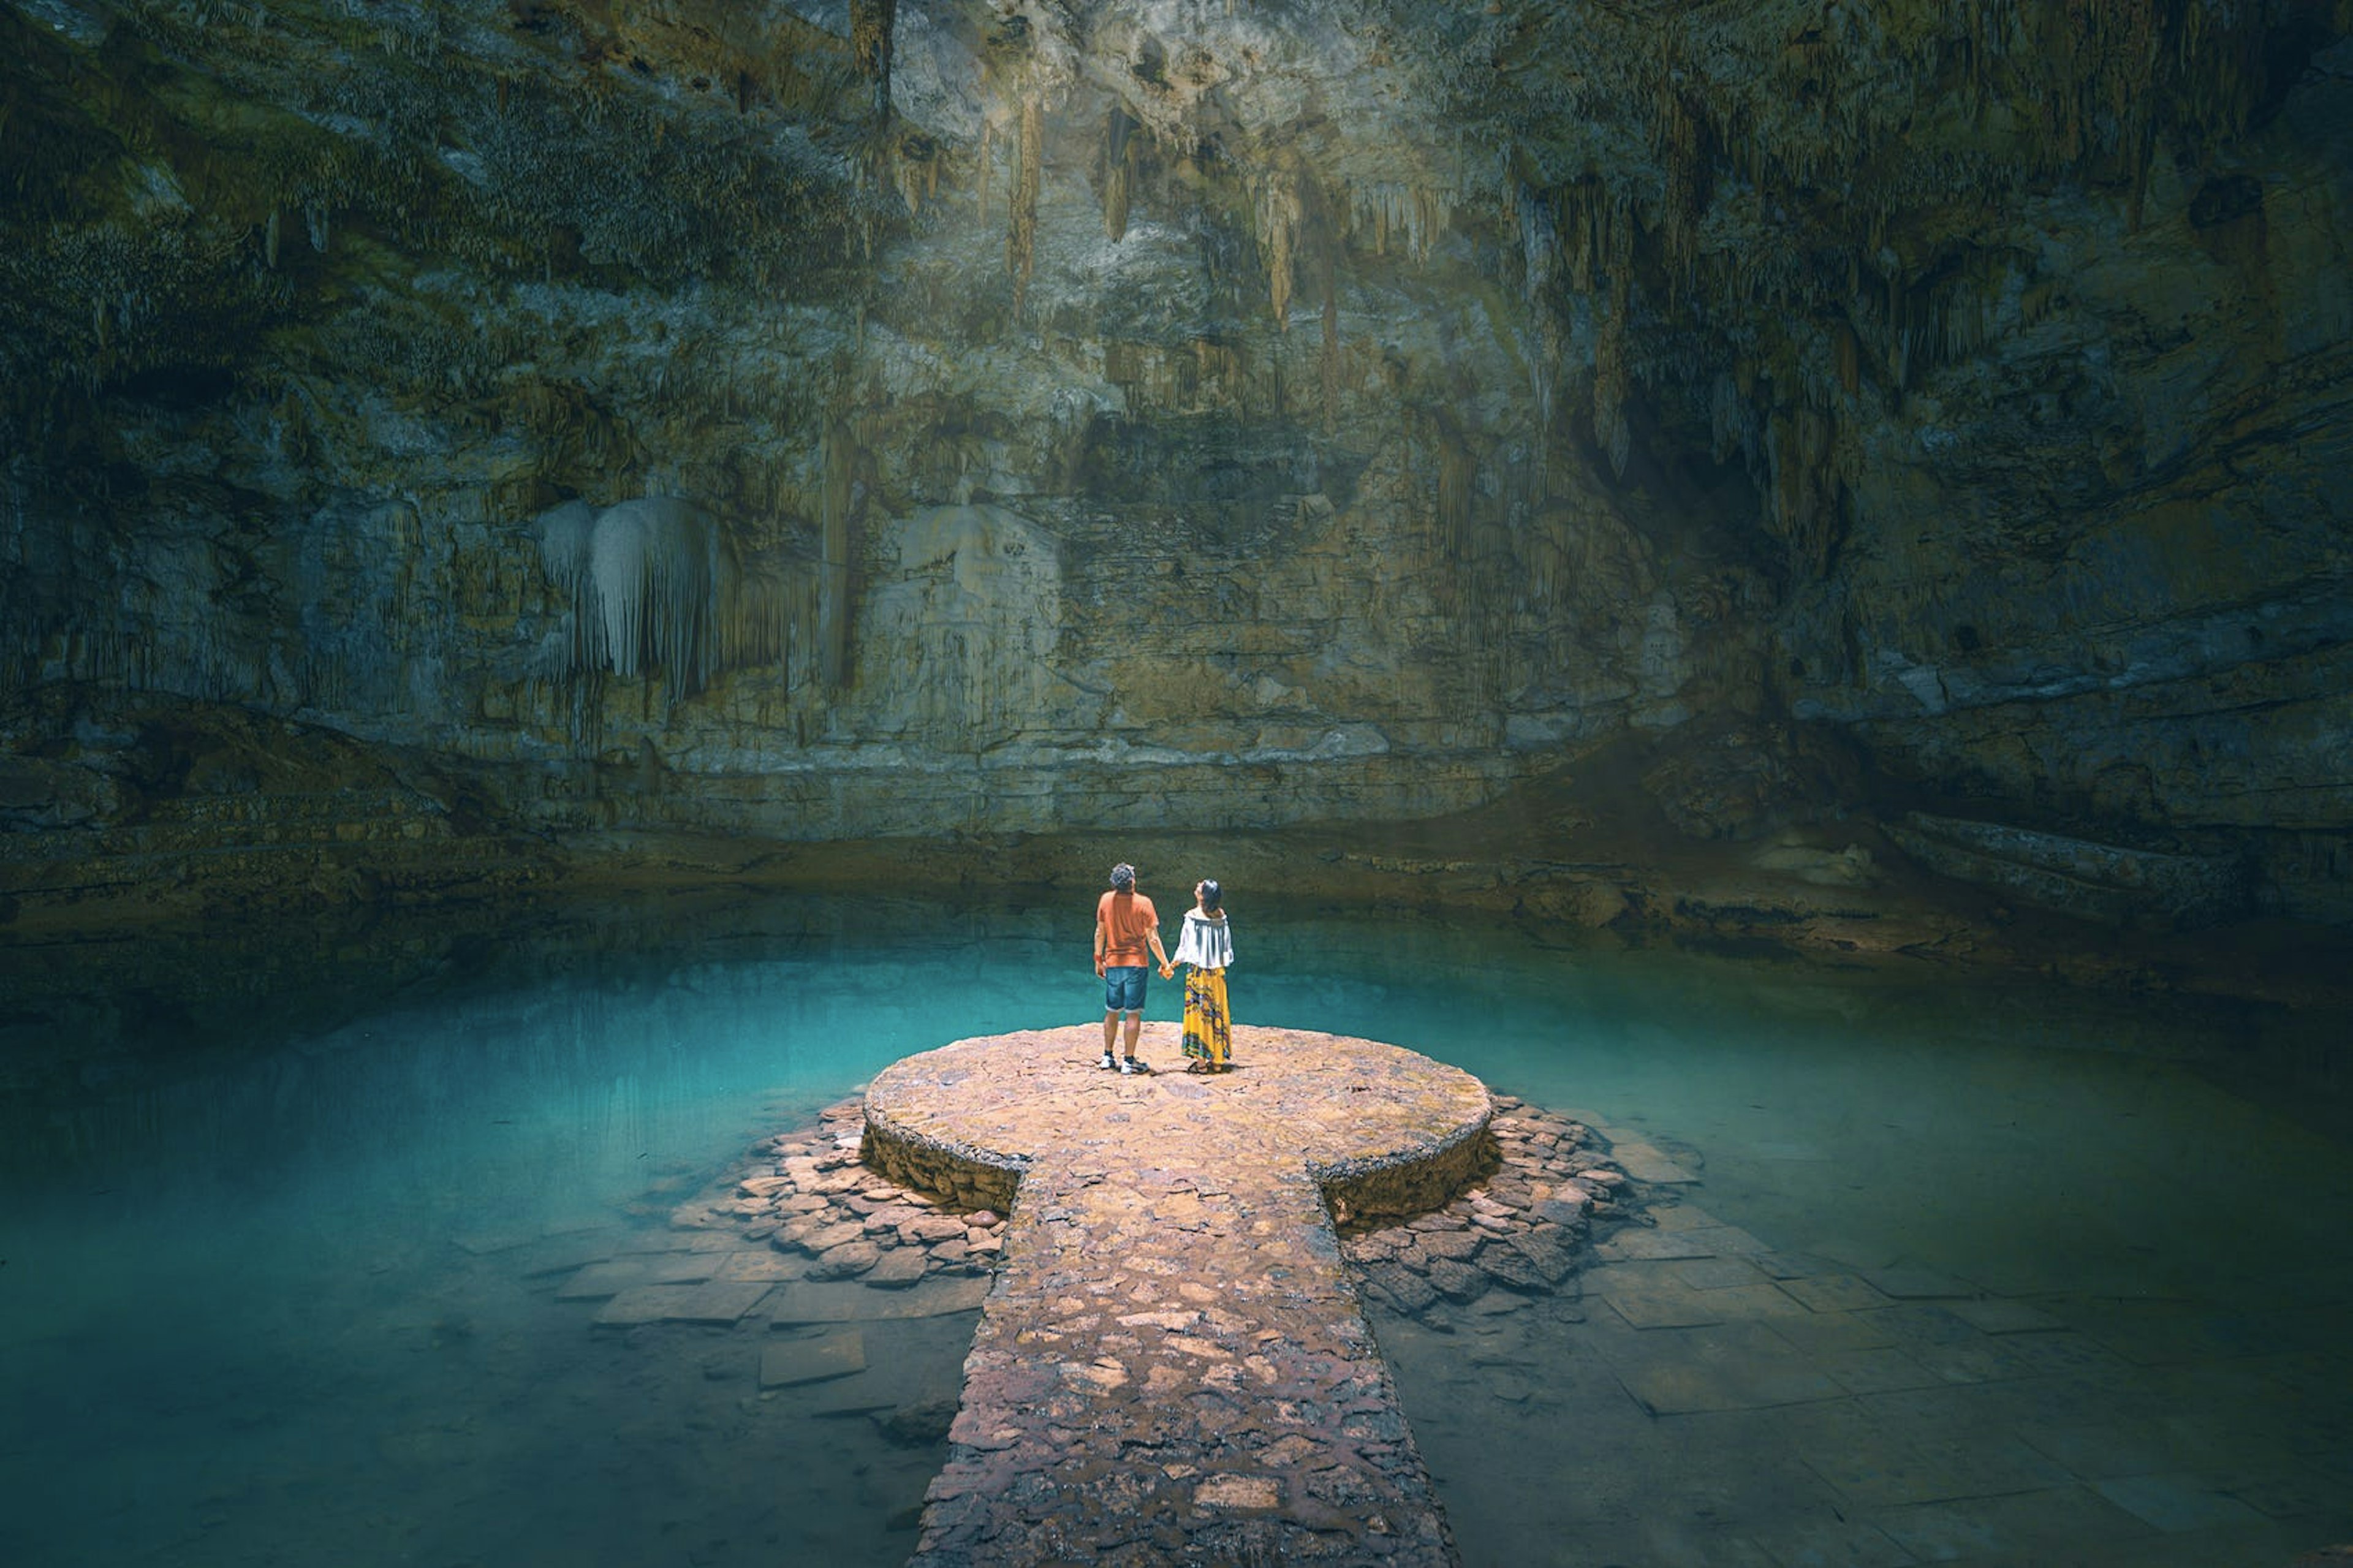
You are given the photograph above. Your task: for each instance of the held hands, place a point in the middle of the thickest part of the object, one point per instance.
(1167, 971)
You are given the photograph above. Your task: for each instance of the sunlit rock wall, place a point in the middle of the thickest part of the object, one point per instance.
(1204, 413)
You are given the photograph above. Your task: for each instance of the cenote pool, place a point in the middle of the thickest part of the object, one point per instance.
(2037, 1278)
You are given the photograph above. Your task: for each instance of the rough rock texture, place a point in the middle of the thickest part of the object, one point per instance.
(802, 421)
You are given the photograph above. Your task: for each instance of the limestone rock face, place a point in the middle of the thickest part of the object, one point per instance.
(819, 420)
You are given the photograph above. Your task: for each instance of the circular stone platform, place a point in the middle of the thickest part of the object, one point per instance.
(1384, 1131)
(1172, 1365)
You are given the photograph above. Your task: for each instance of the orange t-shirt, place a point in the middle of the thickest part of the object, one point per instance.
(1127, 919)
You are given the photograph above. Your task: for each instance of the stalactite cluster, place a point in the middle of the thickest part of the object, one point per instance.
(657, 585)
(1201, 375)
(1803, 179)
(1409, 217)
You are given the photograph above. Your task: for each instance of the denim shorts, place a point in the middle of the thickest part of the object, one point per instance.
(1124, 988)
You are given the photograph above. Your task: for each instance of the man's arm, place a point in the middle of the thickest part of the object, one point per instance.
(1099, 940)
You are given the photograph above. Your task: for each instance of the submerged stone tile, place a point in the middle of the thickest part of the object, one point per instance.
(564, 1255)
(1996, 1315)
(786, 1362)
(1717, 1273)
(2065, 1524)
(1726, 1241)
(713, 1301)
(488, 1243)
(846, 1261)
(644, 1304)
(1653, 1246)
(843, 1302)
(601, 1282)
(1680, 1216)
(1646, 1163)
(1834, 1293)
(1738, 1303)
(1842, 1542)
(725, 1301)
(1664, 1306)
(1887, 1475)
(1877, 1370)
(771, 1267)
(1913, 1284)
(897, 1270)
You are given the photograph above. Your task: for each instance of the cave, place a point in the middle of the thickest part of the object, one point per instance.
(579, 577)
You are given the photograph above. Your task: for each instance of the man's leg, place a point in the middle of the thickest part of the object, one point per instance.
(1134, 1027)
(1111, 1034)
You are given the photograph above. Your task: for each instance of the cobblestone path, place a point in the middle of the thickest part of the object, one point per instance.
(1172, 1365)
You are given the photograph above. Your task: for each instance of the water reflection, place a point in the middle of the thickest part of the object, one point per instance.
(278, 1222)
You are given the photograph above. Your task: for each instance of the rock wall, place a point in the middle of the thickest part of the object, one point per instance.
(814, 420)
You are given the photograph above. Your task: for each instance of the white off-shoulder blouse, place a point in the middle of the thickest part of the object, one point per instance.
(1207, 943)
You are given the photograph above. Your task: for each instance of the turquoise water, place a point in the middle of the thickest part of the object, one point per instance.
(278, 1279)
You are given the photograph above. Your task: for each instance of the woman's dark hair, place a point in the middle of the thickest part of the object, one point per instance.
(1212, 896)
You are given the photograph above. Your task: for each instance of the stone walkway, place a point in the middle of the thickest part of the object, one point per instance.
(1172, 1365)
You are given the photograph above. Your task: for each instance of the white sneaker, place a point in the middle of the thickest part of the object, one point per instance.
(1106, 1063)
(1129, 1064)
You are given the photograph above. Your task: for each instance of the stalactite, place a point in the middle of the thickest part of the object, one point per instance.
(843, 499)
(1727, 412)
(1118, 368)
(916, 171)
(1329, 358)
(1119, 169)
(1680, 137)
(1457, 473)
(1544, 370)
(981, 185)
(772, 616)
(563, 533)
(1214, 378)
(1580, 214)
(871, 25)
(1802, 487)
(1021, 238)
(1278, 209)
(1538, 213)
(1610, 430)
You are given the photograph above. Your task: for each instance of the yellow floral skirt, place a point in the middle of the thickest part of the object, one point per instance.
(1208, 1034)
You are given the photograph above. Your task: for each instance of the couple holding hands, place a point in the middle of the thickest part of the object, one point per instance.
(1127, 928)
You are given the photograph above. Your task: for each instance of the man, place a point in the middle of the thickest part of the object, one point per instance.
(1126, 928)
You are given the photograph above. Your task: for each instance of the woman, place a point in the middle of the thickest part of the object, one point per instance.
(1208, 947)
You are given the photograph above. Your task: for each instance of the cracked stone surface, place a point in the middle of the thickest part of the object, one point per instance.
(1173, 1364)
